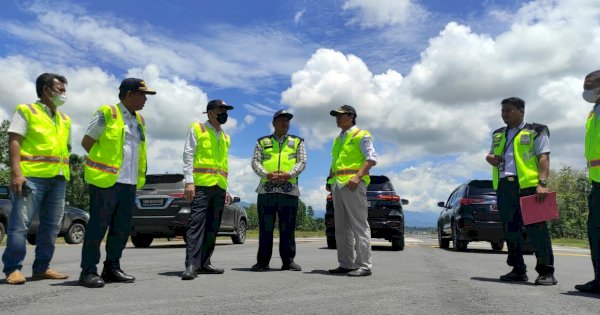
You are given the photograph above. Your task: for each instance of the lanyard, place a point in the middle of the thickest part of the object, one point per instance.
(507, 143)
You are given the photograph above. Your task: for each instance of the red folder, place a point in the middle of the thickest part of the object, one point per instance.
(535, 212)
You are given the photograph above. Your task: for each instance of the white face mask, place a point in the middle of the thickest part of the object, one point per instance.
(591, 96)
(59, 99)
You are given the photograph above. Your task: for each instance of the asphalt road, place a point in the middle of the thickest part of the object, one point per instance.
(422, 279)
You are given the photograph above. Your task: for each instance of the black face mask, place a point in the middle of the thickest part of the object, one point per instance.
(222, 118)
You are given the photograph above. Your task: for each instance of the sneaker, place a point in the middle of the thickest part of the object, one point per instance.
(514, 277)
(546, 280)
(49, 274)
(590, 287)
(291, 266)
(15, 277)
(360, 272)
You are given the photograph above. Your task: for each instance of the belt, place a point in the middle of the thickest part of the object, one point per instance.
(510, 178)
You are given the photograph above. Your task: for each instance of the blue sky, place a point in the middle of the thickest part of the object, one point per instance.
(425, 76)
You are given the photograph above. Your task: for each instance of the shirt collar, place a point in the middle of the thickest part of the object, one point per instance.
(125, 111)
(209, 125)
(46, 108)
(279, 139)
(343, 133)
(520, 126)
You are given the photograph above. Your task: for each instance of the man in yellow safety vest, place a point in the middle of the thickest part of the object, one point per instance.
(205, 167)
(114, 167)
(39, 142)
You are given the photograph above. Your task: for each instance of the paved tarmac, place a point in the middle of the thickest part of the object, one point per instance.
(422, 279)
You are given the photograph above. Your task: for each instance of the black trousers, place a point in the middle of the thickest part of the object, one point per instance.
(110, 208)
(538, 234)
(269, 207)
(594, 227)
(204, 224)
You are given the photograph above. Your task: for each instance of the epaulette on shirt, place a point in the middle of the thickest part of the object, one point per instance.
(293, 136)
(499, 130)
(539, 129)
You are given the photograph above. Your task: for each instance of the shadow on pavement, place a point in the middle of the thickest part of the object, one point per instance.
(171, 246)
(324, 272)
(250, 270)
(171, 273)
(500, 281)
(479, 251)
(72, 283)
(373, 247)
(583, 294)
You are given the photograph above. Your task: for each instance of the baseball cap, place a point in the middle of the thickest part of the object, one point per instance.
(282, 112)
(344, 109)
(135, 84)
(592, 80)
(217, 103)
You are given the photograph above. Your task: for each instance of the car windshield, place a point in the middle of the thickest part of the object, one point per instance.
(165, 181)
(481, 187)
(380, 183)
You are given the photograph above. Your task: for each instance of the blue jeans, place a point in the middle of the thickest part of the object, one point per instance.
(47, 199)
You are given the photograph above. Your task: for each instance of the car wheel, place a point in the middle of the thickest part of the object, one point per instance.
(498, 245)
(459, 246)
(240, 237)
(2, 231)
(442, 242)
(31, 238)
(398, 243)
(331, 242)
(142, 240)
(75, 233)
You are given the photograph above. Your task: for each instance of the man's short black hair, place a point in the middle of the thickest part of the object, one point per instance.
(515, 101)
(47, 79)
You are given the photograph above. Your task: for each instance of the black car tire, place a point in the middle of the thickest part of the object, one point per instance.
(240, 236)
(498, 245)
(459, 246)
(442, 242)
(31, 238)
(142, 240)
(75, 233)
(398, 243)
(331, 242)
(2, 231)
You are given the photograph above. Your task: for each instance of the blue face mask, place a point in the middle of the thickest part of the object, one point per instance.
(591, 96)
(222, 118)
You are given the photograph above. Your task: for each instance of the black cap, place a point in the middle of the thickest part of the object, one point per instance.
(134, 84)
(344, 109)
(592, 80)
(217, 103)
(282, 112)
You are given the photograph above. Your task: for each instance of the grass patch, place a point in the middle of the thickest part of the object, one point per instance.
(571, 242)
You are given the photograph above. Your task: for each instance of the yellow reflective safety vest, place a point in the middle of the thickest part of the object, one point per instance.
(104, 160)
(44, 150)
(211, 164)
(526, 161)
(279, 158)
(592, 147)
(348, 157)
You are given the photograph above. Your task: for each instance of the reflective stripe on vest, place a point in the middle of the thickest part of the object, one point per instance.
(44, 151)
(526, 161)
(347, 157)
(211, 157)
(103, 163)
(279, 156)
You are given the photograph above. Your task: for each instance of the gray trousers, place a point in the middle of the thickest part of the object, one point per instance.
(352, 231)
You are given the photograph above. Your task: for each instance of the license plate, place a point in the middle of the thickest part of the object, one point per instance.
(156, 202)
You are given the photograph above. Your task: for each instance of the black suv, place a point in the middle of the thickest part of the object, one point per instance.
(386, 217)
(470, 214)
(72, 226)
(161, 211)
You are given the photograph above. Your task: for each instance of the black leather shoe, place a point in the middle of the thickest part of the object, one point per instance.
(259, 267)
(210, 269)
(91, 280)
(360, 272)
(189, 273)
(590, 287)
(116, 275)
(546, 280)
(291, 266)
(514, 277)
(340, 270)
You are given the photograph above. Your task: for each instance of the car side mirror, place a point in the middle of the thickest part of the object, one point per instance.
(442, 204)
(236, 199)
(404, 202)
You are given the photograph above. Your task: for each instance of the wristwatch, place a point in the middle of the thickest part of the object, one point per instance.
(543, 182)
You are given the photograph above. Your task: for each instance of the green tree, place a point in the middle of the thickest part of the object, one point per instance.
(77, 189)
(4, 158)
(252, 215)
(572, 189)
